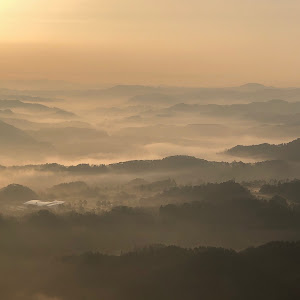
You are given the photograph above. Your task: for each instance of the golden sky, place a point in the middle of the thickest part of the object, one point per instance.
(190, 42)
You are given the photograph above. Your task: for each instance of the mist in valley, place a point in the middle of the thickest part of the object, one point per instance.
(92, 178)
(149, 150)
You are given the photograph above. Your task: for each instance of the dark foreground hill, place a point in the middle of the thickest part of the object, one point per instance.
(268, 272)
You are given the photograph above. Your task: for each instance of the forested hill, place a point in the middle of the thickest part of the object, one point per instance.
(185, 166)
(288, 151)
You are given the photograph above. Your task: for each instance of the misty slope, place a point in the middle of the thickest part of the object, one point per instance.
(288, 151)
(11, 94)
(33, 108)
(68, 134)
(10, 135)
(14, 140)
(24, 124)
(173, 133)
(157, 99)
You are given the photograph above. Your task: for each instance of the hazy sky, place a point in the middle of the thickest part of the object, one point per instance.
(191, 42)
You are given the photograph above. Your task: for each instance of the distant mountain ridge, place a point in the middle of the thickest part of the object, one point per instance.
(254, 86)
(247, 92)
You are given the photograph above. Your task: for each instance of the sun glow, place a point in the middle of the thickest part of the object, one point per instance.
(153, 37)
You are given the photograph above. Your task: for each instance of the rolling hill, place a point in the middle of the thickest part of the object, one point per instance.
(287, 151)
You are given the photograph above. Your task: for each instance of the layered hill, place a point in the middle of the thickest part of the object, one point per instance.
(287, 151)
(14, 140)
(16, 193)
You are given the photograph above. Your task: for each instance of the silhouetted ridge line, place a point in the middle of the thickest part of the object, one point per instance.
(285, 151)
